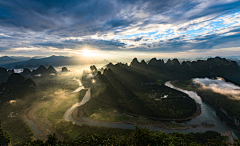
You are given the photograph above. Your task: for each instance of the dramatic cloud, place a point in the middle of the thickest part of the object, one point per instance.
(219, 86)
(139, 25)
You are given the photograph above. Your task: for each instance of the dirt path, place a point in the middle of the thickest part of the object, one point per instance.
(29, 113)
(45, 126)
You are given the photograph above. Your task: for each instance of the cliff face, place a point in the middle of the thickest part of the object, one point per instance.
(93, 68)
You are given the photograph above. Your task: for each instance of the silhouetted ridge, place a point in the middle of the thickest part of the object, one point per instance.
(110, 65)
(134, 63)
(16, 87)
(108, 72)
(201, 68)
(26, 72)
(169, 62)
(51, 69)
(184, 64)
(156, 65)
(143, 63)
(175, 63)
(105, 71)
(40, 70)
(15, 80)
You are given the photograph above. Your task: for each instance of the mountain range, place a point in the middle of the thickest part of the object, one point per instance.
(10, 62)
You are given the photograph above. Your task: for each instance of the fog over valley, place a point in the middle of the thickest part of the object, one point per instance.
(219, 85)
(119, 72)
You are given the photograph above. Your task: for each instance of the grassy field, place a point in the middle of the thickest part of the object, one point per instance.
(56, 113)
(15, 125)
(11, 116)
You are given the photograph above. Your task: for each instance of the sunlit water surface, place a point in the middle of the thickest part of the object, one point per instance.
(208, 115)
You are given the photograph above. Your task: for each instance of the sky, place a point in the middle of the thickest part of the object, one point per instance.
(129, 28)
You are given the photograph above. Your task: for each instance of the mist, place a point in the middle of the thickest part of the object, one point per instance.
(219, 85)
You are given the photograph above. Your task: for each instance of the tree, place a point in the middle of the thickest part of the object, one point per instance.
(5, 138)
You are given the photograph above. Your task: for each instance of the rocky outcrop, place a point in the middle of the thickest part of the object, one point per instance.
(64, 69)
(175, 63)
(157, 65)
(51, 70)
(26, 72)
(16, 81)
(93, 68)
(16, 87)
(169, 62)
(40, 70)
(143, 63)
(110, 65)
(134, 63)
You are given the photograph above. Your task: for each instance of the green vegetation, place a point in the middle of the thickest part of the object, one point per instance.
(4, 136)
(148, 99)
(139, 136)
(185, 84)
(11, 114)
(133, 94)
(72, 131)
(56, 113)
(167, 102)
(218, 101)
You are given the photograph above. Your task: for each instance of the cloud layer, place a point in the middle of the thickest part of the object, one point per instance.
(219, 86)
(153, 25)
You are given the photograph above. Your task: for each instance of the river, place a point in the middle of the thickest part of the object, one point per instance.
(208, 115)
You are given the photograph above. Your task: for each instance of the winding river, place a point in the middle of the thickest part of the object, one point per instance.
(208, 115)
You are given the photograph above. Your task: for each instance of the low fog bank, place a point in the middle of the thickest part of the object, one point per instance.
(219, 85)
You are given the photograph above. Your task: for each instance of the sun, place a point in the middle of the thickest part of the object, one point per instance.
(87, 52)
